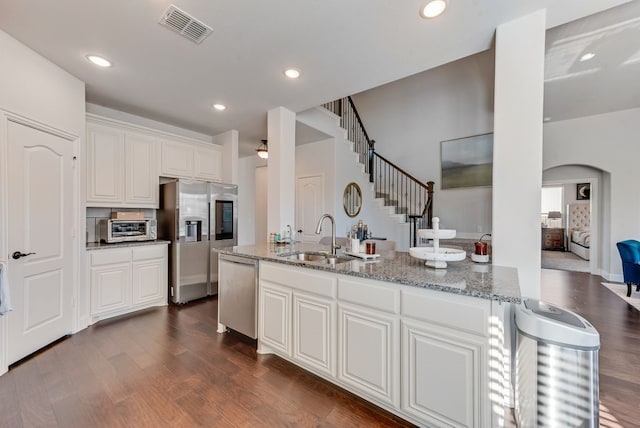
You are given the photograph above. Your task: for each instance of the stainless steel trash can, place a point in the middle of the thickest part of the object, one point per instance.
(556, 367)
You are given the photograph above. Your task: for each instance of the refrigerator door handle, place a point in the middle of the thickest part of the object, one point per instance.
(177, 224)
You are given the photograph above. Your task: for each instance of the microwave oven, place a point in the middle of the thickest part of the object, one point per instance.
(127, 230)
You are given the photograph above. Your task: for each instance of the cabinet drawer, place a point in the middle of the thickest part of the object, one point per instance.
(149, 252)
(105, 257)
(301, 279)
(383, 297)
(460, 312)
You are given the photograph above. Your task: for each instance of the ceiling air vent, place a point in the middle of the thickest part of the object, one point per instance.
(185, 24)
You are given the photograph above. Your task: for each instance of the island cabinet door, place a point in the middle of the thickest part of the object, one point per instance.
(368, 352)
(444, 376)
(314, 333)
(274, 328)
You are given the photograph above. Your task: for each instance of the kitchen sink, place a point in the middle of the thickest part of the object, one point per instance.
(317, 257)
(332, 260)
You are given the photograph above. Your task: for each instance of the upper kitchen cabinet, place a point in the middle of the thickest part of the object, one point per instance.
(191, 160)
(122, 166)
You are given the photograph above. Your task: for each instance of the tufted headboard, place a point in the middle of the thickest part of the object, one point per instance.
(579, 216)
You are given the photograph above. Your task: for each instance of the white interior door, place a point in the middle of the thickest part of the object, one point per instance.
(309, 207)
(40, 217)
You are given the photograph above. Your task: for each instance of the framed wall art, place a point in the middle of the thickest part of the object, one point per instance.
(583, 191)
(467, 162)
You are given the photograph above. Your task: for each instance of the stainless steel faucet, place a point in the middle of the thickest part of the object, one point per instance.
(334, 247)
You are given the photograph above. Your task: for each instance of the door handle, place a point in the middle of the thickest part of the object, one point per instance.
(299, 230)
(17, 254)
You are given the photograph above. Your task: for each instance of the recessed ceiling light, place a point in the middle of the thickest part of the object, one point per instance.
(292, 73)
(99, 61)
(546, 119)
(587, 56)
(433, 8)
(219, 107)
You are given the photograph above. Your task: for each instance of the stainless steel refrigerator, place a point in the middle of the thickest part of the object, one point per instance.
(196, 217)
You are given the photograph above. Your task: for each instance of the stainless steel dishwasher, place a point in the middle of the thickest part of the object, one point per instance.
(237, 294)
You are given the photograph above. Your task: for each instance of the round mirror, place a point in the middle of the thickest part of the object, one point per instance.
(352, 199)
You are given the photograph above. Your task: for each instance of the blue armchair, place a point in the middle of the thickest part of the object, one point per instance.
(630, 255)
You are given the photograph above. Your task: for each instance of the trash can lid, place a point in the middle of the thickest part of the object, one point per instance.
(552, 324)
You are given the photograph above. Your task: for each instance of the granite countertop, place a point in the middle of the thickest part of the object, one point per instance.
(464, 277)
(102, 246)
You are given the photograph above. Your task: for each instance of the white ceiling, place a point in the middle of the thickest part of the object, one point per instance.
(610, 81)
(341, 46)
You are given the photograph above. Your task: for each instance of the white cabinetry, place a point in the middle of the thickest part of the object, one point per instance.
(141, 171)
(105, 165)
(207, 163)
(369, 338)
(419, 353)
(368, 343)
(297, 316)
(127, 279)
(121, 167)
(149, 274)
(275, 317)
(443, 374)
(445, 369)
(191, 160)
(110, 280)
(314, 331)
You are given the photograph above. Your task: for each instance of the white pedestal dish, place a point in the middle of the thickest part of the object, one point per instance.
(436, 256)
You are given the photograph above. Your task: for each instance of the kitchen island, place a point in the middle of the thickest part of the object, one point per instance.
(428, 345)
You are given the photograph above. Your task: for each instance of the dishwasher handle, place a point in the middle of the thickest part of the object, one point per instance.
(237, 260)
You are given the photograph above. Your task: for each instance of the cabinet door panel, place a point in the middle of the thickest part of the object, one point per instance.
(177, 159)
(207, 163)
(148, 281)
(141, 172)
(275, 317)
(313, 332)
(110, 288)
(442, 374)
(369, 345)
(105, 171)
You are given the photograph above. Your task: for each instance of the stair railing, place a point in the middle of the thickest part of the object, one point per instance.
(407, 194)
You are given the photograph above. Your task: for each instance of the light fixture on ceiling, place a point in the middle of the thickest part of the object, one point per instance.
(263, 151)
(292, 73)
(433, 8)
(587, 56)
(99, 61)
(220, 107)
(546, 119)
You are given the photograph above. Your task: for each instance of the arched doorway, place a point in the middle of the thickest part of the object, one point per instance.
(582, 211)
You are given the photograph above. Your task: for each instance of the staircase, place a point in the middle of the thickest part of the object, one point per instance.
(396, 188)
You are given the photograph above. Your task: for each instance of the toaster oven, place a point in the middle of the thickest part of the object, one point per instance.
(127, 230)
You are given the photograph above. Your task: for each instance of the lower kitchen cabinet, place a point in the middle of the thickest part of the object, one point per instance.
(110, 281)
(443, 375)
(149, 275)
(297, 316)
(314, 332)
(274, 325)
(369, 343)
(419, 353)
(124, 280)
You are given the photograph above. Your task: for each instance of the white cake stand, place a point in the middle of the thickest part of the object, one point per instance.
(436, 256)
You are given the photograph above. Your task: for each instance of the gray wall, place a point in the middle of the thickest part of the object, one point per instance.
(409, 118)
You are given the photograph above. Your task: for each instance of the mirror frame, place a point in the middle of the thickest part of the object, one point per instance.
(349, 203)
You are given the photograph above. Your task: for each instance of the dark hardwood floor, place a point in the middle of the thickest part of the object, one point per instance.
(619, 326)
(168, 367)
